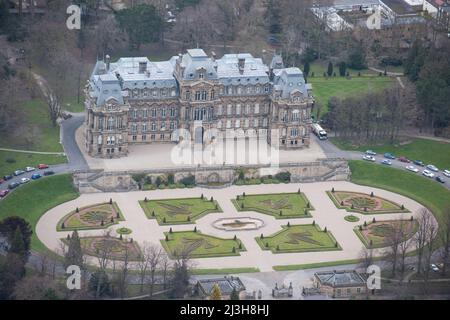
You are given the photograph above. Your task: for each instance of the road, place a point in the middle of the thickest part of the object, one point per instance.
(331, 151)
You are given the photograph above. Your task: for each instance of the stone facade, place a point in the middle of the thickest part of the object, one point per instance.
(135, 101)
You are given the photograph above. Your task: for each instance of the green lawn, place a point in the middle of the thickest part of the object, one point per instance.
(31, 201)
(429, 151)
(299, 238)
(290, 205)
(37, 132)
(425, 191)
(341, 87)
(72, 105)
(11, 161)
(178, 211)
(199, 245)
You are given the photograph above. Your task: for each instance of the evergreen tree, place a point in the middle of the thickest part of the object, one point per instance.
(17, 245)
(74, 255)
(330, 69)
(234, 295)
(306, 68)
(342, 69)
(216, 294)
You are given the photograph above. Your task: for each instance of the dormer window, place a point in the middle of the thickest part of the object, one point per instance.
(201, 75)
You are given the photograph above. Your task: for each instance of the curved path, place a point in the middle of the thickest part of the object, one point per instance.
(147, 230)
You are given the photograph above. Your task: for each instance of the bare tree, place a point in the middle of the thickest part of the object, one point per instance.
(430, 240)
(393, 240)
(124, 270)
(404, 246)
(425, 219)
(165, 265)
(142, 264)
(444, 235)
(366, 257)
(154, 255)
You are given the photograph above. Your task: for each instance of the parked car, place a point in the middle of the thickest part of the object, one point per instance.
(371, 153)
(36, 176)
(18, 172)
(7, 177)
(432, 168)
(419, 163)
(434, 267)
(440, 179)
(369, 158)
(42, 166)
(412, 168)
(446, 173)
(24, 180)
(428, 173)
(29, 169)
(389, 156)
(49, 173)
(404, 159)
(13, 185)
(386, 162)
(3, 193)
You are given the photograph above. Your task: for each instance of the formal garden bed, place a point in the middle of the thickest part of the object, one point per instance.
(279, 205)
(97, 216)
(351, 218)
(115, 248)
(179, 211)
(376, 233)
(299, 238)
(364, 203)
(124, 231)
(197, 245)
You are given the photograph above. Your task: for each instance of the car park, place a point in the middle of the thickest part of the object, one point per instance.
(440, 179)
(48, 173)
(29, 169)
(412, 169)
(386, 162)
(13, 185)
(3, 193)
(24, 180)
(432, 168)
(389, 156)
(36, 176)
(369, 158)
(18, 172)
(43, 166)
(428, 173)
(419, 163)
(7, 177)
(446, 173)
(371, 153)
(404, 159)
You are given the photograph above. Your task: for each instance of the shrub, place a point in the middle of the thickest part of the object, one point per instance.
(371, 194)
(170, 178)
(110, 201)
(10, 160)
(325, 229)
(262, 236)
(308, 205)
(332, 190)
(102, 223)
(195, 229)
(242, 205)
(117, 215)
(360, 228)
(373, 220)
(112, 219)
(314, 222)
(77, 210)
(170, 230)
(167, 237)
(365, 223)
(201, 197)
(412, 218)
(145, 200)
(283, 176)
(188, 181)
(234, 238)
(212, 199)
(189, 218)
(288, 224)
(267, 244)
(281, 212)
(120, 237)
(342, 202)
(68, 237)
(240, 245)
(153, 213)
(63, 226)
(278, 247)
(234, 250)
(164, 220)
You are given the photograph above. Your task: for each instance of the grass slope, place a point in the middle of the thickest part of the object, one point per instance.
(429, 151)
(37, 132)
(11, 161)
(31, 201)
(427, 192)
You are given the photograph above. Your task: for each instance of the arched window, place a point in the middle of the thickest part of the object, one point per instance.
(111, 123)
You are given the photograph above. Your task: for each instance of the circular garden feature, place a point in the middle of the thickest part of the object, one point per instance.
(97, 216)
(124, 231)
(351, 218)
(364, 203)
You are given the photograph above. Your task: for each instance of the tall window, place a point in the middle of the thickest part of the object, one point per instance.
(238, 109)
(144, 127)
(134, 128)
(172, 112)
(256, 108)
(154, 113)
(163, 112)
(145, 113)
(197, 95)
(153, 126)
(213, 94)
(188, 95)
(110, 125)
(204, 95)
(100, 123)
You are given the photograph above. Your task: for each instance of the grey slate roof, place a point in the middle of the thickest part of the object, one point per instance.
(343, 278)
(226, 285)
(288, 80)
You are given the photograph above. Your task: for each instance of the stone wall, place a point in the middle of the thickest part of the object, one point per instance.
(321, 170)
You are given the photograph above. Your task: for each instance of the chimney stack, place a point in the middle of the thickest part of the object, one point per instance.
(241, 64)
(142, 67)
(107, 61)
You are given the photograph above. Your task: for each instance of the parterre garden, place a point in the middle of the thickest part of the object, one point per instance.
(279, 205)
(198, 245)
(376, 234)
(97, 216)
(299, 238)
(115, 248)
(364, 203)
(179, 211)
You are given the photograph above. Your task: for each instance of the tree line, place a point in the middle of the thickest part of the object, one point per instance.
(371, 118)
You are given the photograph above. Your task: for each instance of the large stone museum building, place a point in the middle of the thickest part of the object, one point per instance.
(136, 101)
